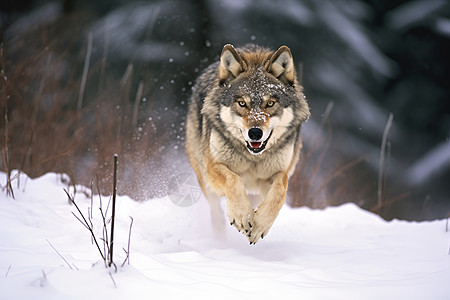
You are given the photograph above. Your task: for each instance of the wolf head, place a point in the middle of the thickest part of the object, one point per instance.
(260, 99)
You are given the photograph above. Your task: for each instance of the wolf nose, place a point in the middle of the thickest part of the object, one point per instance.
(255, 133)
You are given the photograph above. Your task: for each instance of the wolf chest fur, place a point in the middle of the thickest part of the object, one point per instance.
(243, 135)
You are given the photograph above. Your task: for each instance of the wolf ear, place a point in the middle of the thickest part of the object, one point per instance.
(281, 65)
(231, 63)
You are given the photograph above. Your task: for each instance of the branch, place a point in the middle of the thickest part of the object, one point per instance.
(5, 85)
(111, 244)
(129, 239)
(86, 224)
(59, 254)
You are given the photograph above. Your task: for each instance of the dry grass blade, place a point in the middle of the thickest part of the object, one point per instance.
(137, 100)
(127, 258)
(85, 72)
(382, 162)
(338, 172)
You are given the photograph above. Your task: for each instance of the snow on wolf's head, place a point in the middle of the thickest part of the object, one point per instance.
(259, 94)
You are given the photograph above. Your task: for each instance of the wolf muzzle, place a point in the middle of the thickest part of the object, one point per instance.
(256, 145)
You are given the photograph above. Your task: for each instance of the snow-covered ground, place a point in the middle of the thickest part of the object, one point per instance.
(337, 253)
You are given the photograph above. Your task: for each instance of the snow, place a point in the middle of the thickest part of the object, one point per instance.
(337, 253)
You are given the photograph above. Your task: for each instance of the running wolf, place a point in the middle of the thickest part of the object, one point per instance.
(243, 134)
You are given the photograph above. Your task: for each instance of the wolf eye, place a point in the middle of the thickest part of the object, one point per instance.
(242, 103)
(270, 103)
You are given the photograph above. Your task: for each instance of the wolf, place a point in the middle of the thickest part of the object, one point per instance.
(243, 134)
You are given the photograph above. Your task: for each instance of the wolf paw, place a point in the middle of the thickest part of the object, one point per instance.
(260, 227)
(242, 220)
(258, 233)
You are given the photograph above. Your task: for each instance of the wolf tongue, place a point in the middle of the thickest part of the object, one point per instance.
(255, 145)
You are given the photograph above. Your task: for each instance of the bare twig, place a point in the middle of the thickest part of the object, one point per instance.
(104, 234)
(82, 223)
(5, 84)
(86, 224)
(62, 257)
(7, 271)
(382, 160)
(127, 258)
(112, 278)
(107, 253)
(111, 244)
(92, 199)
(44, 279)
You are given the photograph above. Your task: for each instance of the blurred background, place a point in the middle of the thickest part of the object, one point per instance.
(82, 80)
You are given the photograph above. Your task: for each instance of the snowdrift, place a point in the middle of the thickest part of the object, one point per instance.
(337, 253)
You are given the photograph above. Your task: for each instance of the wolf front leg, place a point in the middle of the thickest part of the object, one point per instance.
(217, 217)
(268, 210)
(227, 183)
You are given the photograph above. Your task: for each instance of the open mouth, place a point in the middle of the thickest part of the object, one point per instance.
(257, 147)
